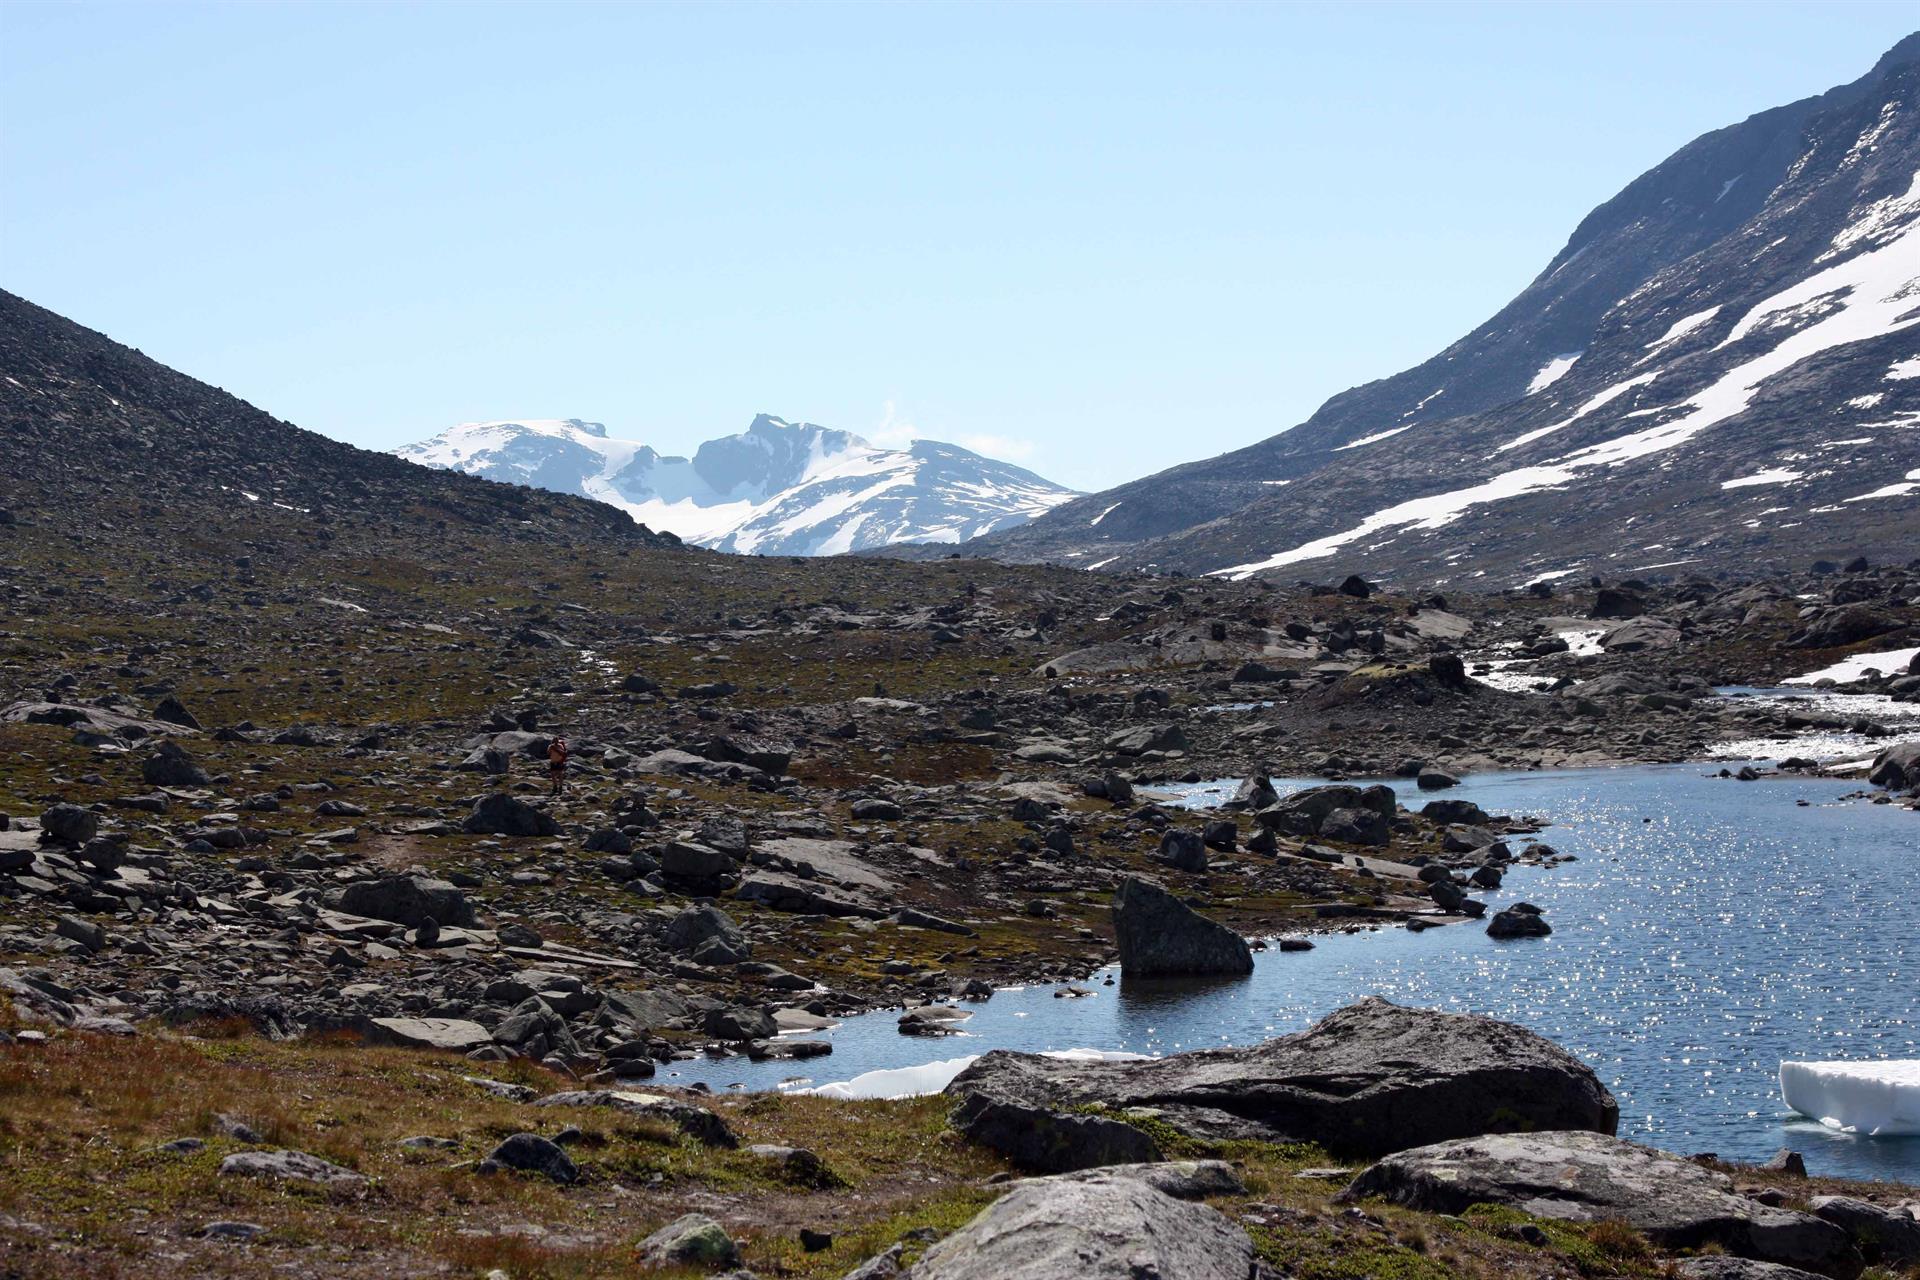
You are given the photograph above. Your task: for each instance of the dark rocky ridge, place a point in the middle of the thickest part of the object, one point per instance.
(91, 427)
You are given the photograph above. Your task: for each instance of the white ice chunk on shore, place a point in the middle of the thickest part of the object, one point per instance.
(1872, 1098)
(932, 1077)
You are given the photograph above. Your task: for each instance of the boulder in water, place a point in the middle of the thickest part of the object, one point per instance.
(1161, 936)
(1898, 767)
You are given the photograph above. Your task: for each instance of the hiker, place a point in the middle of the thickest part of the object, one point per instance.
(557, 764)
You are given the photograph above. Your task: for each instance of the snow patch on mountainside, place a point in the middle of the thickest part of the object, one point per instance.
(1774, 475)
(779, 488)
(1552, 371)
(1375, 438)
(1873, 293)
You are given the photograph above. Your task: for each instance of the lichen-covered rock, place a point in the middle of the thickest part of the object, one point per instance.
(290, 1166)
(691, 1240)
(1102, 1227)
(1592, 1177)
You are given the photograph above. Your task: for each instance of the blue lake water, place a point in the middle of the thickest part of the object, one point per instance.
(1709, 929)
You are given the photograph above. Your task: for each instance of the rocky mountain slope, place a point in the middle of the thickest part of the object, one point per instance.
(96, 434)
(1721, 370)
(778, 488)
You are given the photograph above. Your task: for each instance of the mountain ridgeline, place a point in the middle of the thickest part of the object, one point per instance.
(777, 488)
(1718, 371)
(98, 434)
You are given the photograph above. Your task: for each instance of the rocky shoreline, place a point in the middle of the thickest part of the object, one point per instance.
(725, 856)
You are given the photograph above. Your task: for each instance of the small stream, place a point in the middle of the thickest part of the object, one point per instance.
(1708, 929)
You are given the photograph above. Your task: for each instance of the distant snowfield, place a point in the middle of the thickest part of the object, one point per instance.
(1868, 295)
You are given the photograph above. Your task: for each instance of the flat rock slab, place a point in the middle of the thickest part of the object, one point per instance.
(1365, 1080)
(834, 859)
(1181, 1179)
(697, 1122)
(290, 1166)
(455, 1034)
(1100, 1227)
(783, 892)
(1591, 1177)
(1724, 1267)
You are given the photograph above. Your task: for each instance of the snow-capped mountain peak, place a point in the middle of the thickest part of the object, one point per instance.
(777, 488)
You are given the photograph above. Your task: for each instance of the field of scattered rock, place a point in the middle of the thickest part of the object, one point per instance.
(305, 969)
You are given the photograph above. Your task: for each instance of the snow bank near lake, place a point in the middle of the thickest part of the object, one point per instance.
(1889, 663)
(932, 1077)
(1873, 1098)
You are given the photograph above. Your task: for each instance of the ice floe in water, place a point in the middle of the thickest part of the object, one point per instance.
(1879, 1099)
(932, 1077)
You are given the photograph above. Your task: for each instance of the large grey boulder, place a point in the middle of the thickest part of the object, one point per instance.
(1181, 1179)
(691, 860)
(499, 814)
(1036, 1132)
(1356, 826)
(1639, 635)
(1847, 625)
(691, 1240)
(1592, 1177)
(1302, 813)
(536, 1029)
(1722, 1266)
(1159, 935)
(411, 899)
(1183, 849)
(1145, 738)
(1896, 768)
(69, 824)
(709, 935)
(171, 766)
(531, 1153)
(1365, 1080)
(1098, 1228)
(1884, 1235)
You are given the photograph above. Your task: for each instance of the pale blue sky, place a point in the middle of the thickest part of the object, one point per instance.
(1108, 237)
